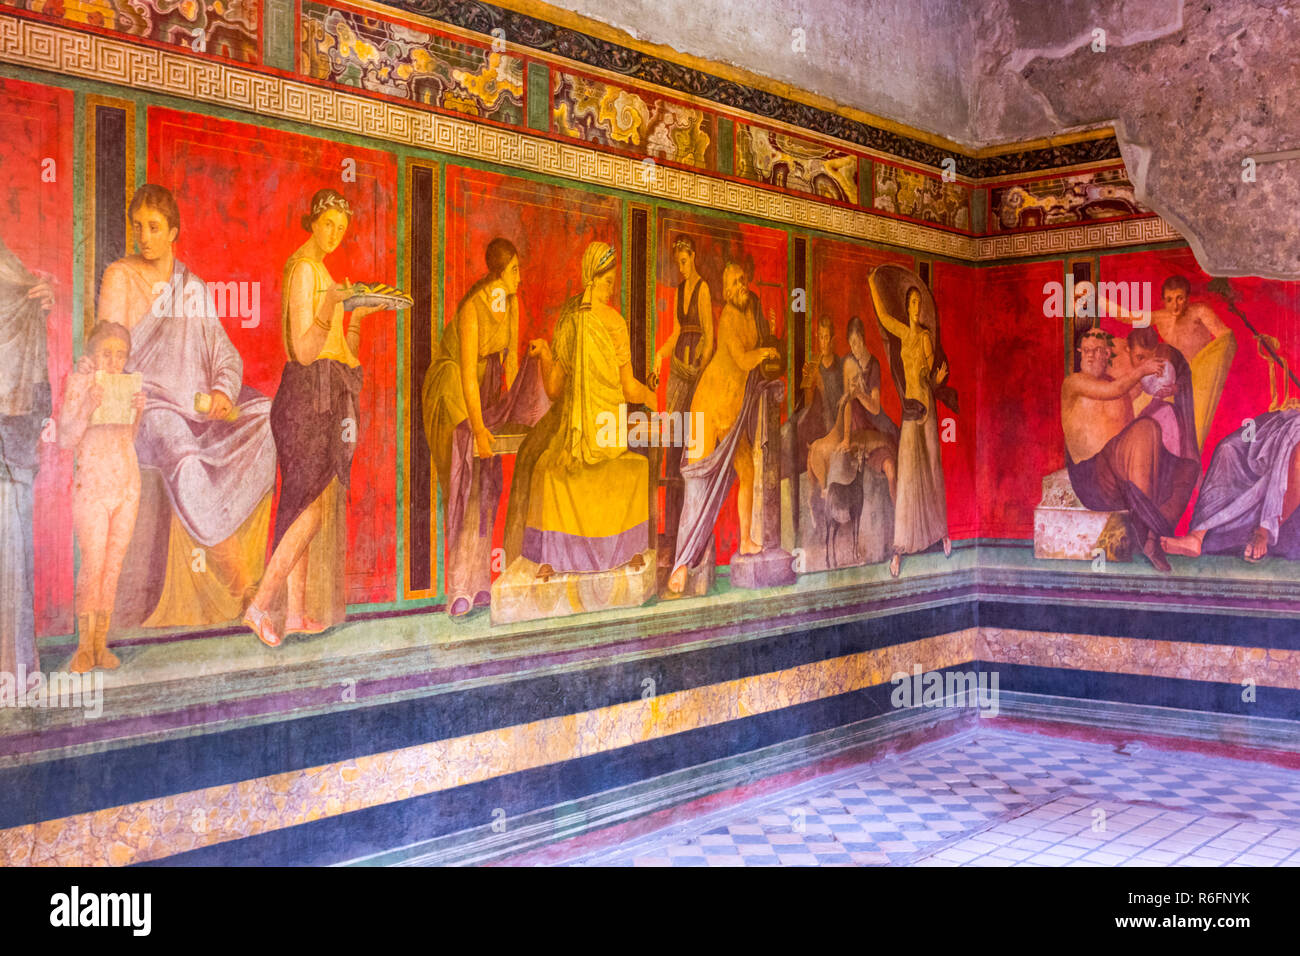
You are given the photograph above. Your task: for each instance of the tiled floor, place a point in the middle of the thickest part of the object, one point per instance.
(1000, 798)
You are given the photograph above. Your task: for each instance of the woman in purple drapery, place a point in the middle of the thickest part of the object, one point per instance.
(475, 384)
(315, 419)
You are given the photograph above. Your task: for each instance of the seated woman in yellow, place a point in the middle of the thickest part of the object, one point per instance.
(588, 497)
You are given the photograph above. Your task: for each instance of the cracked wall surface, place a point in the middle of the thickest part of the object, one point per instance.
(1191, 88)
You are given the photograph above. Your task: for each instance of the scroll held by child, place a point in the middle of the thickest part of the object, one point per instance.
(115, 406)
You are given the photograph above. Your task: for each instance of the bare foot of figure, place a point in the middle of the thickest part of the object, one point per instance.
(749, 547)
(677, 583)
(303, 625)
(1257, 546)
(895, 564)
(947, 546)
(1156, 556)
(1188, 545)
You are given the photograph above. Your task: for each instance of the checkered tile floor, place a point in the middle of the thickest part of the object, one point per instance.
(997, 798)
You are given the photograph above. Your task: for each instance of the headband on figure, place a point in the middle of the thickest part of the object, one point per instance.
(331, 201)
(597, 260)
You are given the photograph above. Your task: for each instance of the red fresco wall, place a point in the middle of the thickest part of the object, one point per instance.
(38, 229)
(1020, 354)
(957, 292)
(242, 191)
(550, 227)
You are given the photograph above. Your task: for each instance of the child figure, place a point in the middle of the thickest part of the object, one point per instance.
(101, 426)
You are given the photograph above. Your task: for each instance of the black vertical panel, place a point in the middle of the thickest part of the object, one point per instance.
(924, 269)
(420, 486)
(1082, 272)
(638, 273)
(110, 189)
(799, 320)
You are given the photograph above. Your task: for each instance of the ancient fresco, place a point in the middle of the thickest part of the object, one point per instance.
(906, 192)
(415, 64)
(651, 126)
(792, 162)
(1085, 197)
(229, 28)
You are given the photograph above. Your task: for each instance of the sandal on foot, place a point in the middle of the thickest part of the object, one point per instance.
(259, 622)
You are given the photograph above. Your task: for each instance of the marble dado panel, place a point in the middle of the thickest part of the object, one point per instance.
(153, 829)
(1214, 663)
(36, 45)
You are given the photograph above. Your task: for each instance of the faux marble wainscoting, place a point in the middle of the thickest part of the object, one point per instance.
(1217, 663)
(154, 829)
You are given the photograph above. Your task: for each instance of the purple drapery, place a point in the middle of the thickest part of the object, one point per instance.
(709, 479)
(523, 404)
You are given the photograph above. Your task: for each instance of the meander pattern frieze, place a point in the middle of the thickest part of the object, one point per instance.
(49, 47)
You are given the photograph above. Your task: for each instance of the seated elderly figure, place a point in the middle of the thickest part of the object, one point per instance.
(1146, 465)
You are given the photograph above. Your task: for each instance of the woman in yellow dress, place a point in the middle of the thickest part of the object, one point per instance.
(316, 423)
(587, 505)
(476, 365)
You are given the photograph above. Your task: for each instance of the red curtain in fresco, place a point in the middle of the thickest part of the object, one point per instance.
(37, 199)
(242, 191)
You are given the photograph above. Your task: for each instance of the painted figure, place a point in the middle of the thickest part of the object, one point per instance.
(1118, 462)
(316, 421)
(25, 300)
(1195, 330)
(823, 389)
(587, 505)
(474, 384)
(218, 466)
(1250, 492)
(106, 493)
(920, 373)
(863, 433)
(724, 404)
(687, 350)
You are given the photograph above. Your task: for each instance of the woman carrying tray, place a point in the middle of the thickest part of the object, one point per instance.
(314, 419)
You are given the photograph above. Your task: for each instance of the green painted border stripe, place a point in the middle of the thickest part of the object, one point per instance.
(726, 145)
(539, 96)
(439, 238)
(277, 34)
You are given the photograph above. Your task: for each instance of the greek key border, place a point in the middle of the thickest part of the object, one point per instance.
(43, 46)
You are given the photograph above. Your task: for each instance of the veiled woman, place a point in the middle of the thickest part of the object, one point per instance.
(910, 327)
(315, 421)
(579, 499)
(475, 368)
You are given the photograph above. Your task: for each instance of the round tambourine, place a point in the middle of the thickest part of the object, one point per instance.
(371, 295)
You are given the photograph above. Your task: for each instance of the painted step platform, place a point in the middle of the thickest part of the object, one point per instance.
(518, 595)
(1064, 528)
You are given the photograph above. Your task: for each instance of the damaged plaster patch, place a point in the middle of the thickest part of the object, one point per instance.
(1188, 109)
